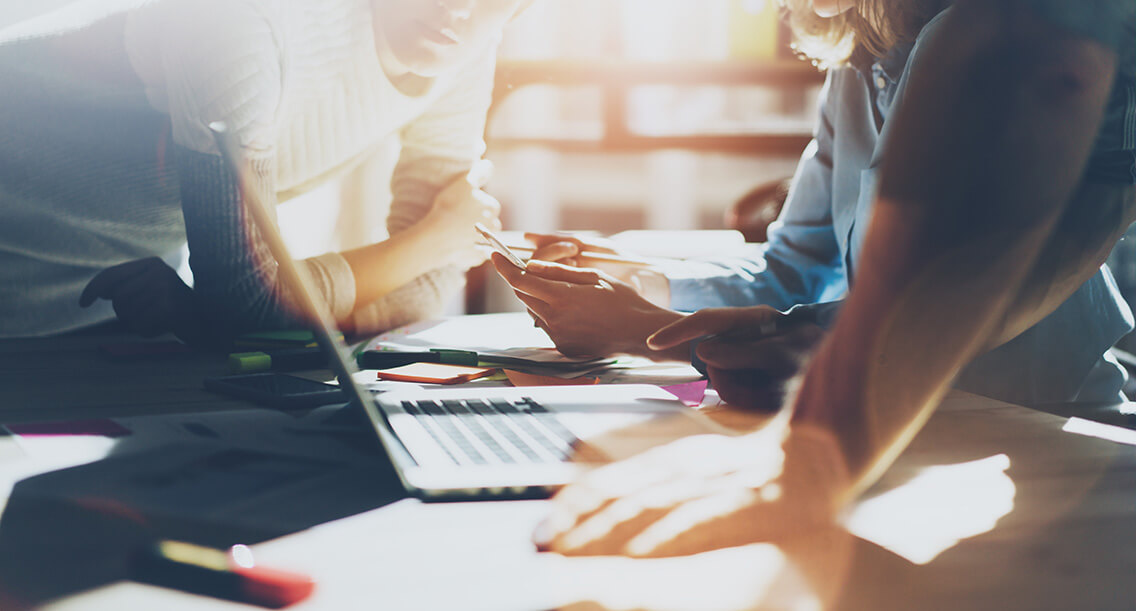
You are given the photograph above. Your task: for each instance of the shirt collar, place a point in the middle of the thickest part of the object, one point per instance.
(891, 64)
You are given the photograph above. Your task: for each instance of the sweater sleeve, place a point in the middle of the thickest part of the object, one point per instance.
(236, 79)
(437, 147)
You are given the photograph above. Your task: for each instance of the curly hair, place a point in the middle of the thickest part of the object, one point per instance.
(873, 25)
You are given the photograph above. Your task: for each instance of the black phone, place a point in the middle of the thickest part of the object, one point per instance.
(278, 390)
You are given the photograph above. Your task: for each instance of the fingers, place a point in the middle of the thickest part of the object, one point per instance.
(537, 309)
(545, 281)
(710, 522)
(774, 355)
(748, 388)
(147, 295)
(541, 240)
(619, 523)
(585, 513)
(556, 251)
(608, 532)
(139, 308)
(563, 273)
(590, 244)
(488, 211)
(106, 282)
(711, 321)
(491, 207)
(480, 174)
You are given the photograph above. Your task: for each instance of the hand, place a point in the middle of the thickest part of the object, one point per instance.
(456, 208)
(586, 312)
(751, 353)
(697, 494)
(566, 249)
(148, 297)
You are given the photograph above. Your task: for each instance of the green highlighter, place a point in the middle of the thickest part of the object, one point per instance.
(289, 359)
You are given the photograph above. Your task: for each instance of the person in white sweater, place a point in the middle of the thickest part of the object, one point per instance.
(107, 166)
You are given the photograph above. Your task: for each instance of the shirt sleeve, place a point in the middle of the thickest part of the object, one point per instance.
(437, 147)
(800, 263)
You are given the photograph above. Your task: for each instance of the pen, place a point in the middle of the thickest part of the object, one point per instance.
(288, 359)
(385, 359)
(232, 575)
(598, 257)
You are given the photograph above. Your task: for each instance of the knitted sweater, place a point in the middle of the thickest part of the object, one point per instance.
(105, 173)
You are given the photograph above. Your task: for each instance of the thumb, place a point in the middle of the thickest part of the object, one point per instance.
(556, 271)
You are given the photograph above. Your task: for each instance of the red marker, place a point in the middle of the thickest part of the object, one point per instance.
(231, 575)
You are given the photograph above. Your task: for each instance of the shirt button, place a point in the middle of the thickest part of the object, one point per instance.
(881, 82)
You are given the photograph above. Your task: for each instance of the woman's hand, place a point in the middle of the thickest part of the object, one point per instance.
(697, 494)
(564, 247)
(450, 221)
(567, 249)
(586, 312)
(750, 353)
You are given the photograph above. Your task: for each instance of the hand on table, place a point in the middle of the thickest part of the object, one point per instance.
(751, 352)
(148, 297)
(586, 312)
(697, 494)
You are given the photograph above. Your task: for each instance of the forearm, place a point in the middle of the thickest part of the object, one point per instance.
(379, 269)
(422, 298)
(904, 333)
(958, 224)
(235, 283)
(1097, 216)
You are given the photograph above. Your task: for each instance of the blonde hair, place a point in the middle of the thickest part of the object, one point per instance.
(873, 25)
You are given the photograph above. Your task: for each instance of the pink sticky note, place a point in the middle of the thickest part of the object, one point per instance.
(690, 393)
(520, 378)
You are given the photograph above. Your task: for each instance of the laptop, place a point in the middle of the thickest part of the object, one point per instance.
(481, 442)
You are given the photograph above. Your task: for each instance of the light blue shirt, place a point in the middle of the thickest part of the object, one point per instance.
(813, 248)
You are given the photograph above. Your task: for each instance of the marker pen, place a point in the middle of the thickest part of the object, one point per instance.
(231, 575)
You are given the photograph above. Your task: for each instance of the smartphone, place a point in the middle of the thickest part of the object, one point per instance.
(277, 390)
(499, 246)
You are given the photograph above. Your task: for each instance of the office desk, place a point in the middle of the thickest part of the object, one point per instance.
(993, 506)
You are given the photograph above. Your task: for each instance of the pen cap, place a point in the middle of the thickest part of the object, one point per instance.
(274, 588)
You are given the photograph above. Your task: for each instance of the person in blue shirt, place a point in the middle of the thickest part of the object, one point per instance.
(1006, 175)
(814, 249)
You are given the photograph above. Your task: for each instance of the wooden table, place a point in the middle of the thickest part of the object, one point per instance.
(994, 506)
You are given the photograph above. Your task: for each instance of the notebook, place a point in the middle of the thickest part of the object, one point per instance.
(481, 442)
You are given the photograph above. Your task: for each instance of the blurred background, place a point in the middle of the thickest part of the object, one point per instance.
(612, 115)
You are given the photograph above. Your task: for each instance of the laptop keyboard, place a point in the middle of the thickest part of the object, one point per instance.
(494, 431)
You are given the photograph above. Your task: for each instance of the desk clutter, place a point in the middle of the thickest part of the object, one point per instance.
(451, 351)
(135, 460)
